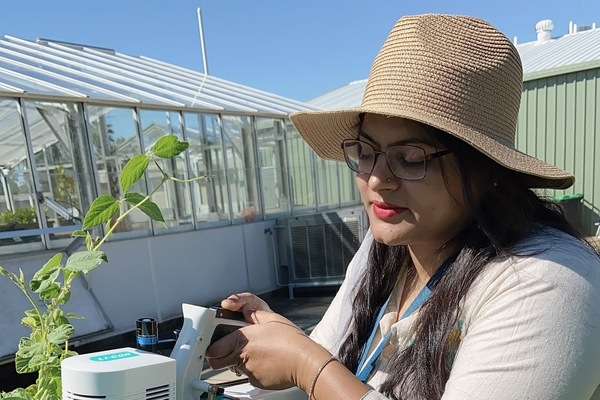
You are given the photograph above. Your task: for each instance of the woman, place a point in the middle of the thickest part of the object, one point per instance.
(468, 285)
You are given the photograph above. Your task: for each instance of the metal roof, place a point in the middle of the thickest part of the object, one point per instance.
(569, 53)
(53, 69)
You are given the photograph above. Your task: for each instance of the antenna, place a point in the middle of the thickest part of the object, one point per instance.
(202, 43)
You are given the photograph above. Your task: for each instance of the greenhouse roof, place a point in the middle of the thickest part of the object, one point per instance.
(51, 69)
(569, 53)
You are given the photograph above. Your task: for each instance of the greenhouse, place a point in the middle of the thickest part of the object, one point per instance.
(73, 115)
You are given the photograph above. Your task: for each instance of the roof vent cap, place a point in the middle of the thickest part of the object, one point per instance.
(544, 30)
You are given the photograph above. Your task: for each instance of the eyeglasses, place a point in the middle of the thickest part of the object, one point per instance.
(407, 162)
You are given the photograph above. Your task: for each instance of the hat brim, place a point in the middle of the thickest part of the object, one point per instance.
(324, 132)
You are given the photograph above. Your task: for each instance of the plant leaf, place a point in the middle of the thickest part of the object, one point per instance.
(71, 315)
(61, 334)
(85, 261)
(31, 319)
(21, 277)
(50, 292)
(80, 234)
(3, 271)
(89, 242)
(24, 358)
(148, 207)
(58, 317)
(29, 322)
(133, 171)
(47, 274)
(17, 394)
(169, 146)
(101, 211)
(63, 296)
(41, 286)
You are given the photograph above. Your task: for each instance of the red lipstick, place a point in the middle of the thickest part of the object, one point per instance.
(385, 211)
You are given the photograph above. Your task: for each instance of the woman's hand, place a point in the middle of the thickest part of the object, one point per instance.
(273, 352)
(245, 303)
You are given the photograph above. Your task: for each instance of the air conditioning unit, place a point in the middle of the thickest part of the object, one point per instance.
(317, 248)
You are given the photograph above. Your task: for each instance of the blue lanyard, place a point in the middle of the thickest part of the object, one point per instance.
(367, 364)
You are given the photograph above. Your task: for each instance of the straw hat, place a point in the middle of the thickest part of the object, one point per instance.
(458, 74)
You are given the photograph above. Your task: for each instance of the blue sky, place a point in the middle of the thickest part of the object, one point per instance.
(298, 49)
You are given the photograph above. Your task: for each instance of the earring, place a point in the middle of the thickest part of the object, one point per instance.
(388, 180)
(495, 184)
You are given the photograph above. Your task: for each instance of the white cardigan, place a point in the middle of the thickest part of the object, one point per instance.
(529, 327)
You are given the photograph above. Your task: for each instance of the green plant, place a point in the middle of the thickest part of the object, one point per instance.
(21, 216)
(25, 216)
(51, 329)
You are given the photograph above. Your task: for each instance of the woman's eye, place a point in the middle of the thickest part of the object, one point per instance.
(365, 156)
(409, 157)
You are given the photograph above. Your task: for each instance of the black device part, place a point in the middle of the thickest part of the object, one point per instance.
(221, 312)
(223, 330)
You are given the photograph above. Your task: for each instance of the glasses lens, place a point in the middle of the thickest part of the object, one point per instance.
(407, 162)
(359, 156)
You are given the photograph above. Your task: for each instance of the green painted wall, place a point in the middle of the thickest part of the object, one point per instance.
(559, 122)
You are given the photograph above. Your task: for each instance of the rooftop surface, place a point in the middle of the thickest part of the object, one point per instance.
(87, 73)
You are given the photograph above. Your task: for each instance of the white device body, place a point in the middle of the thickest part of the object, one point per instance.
(119, 374)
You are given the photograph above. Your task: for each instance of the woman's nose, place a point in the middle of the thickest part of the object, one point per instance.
(381, 176)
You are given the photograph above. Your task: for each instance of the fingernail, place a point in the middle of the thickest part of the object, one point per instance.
(233, 297)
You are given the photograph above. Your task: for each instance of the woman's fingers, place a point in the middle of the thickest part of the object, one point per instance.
(245, 303)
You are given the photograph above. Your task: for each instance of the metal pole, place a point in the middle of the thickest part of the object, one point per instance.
(188, 173)
(39, 210)
(202, 43)
(225, 164)
(139, 131)
(257, 172)
(288, 170)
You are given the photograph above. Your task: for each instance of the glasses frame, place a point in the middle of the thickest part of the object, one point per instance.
(428, 157)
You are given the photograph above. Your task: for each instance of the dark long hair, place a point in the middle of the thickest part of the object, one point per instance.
(504, 211)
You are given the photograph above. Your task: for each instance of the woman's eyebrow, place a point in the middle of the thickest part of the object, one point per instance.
(399, 142)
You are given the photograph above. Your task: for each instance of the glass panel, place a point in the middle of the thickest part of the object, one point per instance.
(17, 202)
(203, 133)
(114, 141)
(174, 199)
(28, 86)
(301, 169)
(272, 165)
(60, 150)
(327, 183)
(241, 171)
(348, 190)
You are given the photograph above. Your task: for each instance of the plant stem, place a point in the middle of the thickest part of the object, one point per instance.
(172, 178)
(164, 174)
(37, 310)
(197, 178)
(122, 216)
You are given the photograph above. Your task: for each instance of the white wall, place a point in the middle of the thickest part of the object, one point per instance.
(152, 276)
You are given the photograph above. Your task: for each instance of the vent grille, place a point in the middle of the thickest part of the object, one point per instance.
(158, 392)
(322, 251)
(300, 252)
(318, 262)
